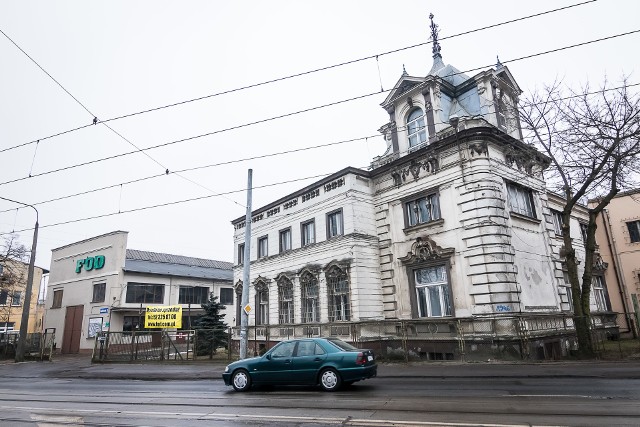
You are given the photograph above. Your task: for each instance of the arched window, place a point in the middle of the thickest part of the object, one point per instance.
(262, 302)
(285, 300)
(310, 298)
(415, 128)
(338, 295)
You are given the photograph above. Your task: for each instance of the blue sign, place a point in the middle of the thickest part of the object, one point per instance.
(104, 310)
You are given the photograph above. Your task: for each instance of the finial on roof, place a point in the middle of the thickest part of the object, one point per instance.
(437, 58)
(404, 71)
(434, 38)
(498, 63)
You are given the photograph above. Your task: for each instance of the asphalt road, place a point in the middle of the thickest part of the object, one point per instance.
(72, 392)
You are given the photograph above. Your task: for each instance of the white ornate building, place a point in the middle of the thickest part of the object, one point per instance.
(449, 229)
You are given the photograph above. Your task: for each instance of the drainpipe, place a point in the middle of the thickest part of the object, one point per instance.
(615, 259)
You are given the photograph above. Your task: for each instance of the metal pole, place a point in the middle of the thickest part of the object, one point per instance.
(26, 306)
(244, 317)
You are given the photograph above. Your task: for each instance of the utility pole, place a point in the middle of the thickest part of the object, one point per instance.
(244, 316)
(26, 306)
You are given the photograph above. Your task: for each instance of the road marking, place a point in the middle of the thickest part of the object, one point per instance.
(56, 420)
(353, 422)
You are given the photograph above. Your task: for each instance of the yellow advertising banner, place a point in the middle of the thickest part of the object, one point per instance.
(163, 316)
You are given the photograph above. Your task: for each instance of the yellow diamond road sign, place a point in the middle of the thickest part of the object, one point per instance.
(247, 309)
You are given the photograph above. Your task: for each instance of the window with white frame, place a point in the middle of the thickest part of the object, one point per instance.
(415, 128)
(432, 292)
(557, 221)
(422, 209)
(285, 300)
(338, 295)
(263, 247)
(310, 293)
(634, 231)
(262, 304)
(285, 240)
(521, 200)
(57, 298)
(308, 232)
(334, 224)
(568, 291)
(583, 232)
(598, 292)
(241, 253)
(16, 299)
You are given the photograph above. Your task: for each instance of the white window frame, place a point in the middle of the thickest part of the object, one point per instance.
(597, 290)
(335, 224)
(521, 200)
(285, 239)
(263, 247)
(416, 129)
(308, 232)
(285, 301)
(423, 209)
(425, 306)
(556, 216)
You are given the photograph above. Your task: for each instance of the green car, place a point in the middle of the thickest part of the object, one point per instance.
(329, 362)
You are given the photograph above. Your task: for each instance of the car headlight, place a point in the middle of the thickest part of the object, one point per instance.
(226, 369)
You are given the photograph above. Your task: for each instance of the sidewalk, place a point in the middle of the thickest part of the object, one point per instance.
(81, 367)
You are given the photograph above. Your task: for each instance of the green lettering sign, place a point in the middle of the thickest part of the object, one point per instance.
(90, 263)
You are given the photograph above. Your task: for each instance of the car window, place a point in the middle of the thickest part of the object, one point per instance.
(309, 348)
(341, 344)
(283, 350)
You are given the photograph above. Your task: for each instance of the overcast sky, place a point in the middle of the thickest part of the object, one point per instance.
(122, 57)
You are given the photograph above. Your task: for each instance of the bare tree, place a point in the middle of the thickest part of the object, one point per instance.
(593, 140)
(13, 255)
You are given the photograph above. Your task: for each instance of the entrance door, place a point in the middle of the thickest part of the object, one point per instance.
(72, 329)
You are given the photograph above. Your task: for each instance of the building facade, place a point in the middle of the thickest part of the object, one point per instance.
(618, 237)
(451, 230)
(13, 284)
(99, 284)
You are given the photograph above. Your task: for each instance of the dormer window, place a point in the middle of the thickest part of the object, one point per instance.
(415, 128)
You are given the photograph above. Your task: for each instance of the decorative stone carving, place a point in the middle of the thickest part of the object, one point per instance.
(479, 148)
(430, 165)
(524, 160)
(425, 249)
(598, 263)
(481, 88)
(261, 284)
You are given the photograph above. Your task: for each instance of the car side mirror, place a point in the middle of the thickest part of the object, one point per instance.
(268, 357)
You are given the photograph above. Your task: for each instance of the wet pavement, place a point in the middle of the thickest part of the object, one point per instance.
(80, 366)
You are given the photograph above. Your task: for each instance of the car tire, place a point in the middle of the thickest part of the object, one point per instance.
(240, 380)
(330, 380)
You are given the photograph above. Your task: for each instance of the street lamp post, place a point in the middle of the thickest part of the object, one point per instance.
(24, 322)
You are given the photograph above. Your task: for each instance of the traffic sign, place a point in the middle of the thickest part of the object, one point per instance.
(247, 309)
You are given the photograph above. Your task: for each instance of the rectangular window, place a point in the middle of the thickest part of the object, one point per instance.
(99, 290)
(432, 292)
(143, 293)
(57, 299)
(16, 299)
(263, 247)
(521, 200)
(338, 295)
(133, 323)
(634, 231)
(568, 291)
(557, 221)
(285, 240)
(334, 224)
(597, 289)
(583, 232)
(423, 209)
(262, 316)
(193, 294)
(285, 298)
(241, 253)
(3, 297)
(308, 232)
(226, 296)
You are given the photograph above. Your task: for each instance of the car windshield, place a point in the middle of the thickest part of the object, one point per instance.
(341, 344)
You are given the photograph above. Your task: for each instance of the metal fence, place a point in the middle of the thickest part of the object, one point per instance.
(37, 345)
(509, 337)
(183, 345)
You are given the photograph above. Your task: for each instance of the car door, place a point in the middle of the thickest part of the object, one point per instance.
(308, 361)
(277, 365)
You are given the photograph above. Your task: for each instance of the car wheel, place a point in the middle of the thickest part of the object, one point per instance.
(241, 380)
(330, 379)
